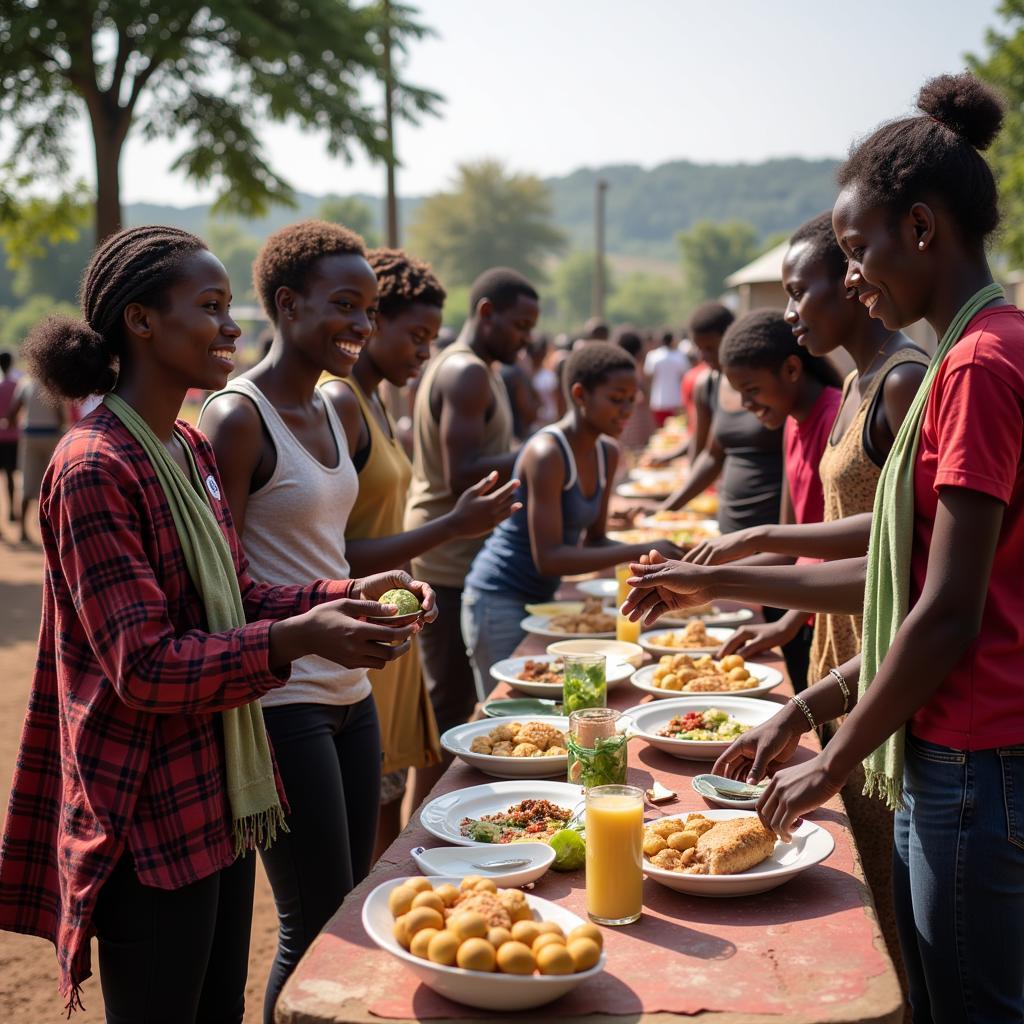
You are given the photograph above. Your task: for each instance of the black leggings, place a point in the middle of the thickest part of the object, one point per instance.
(329, 758)
(175, 956)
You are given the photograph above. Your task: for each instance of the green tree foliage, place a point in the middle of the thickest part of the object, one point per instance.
(646, 300)
(353, 213)
(711, 252)
(1003, 67)
(490, 218)
(237, 251)
(16, 323)
(572, 288)
(212, 72)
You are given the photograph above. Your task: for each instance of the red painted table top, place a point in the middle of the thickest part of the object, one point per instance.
(809, 951)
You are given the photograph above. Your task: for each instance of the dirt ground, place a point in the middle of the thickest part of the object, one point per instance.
(28, 968)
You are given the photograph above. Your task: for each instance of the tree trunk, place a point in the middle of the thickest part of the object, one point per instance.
(108, 139)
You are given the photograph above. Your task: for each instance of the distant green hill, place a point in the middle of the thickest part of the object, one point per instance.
(645, 208)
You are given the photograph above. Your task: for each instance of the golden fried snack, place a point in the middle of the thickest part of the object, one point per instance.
(481, 745)
(524, 750)
(667, 859)
(653, 843)
(488, 904)
(683, 840)
(698, 823)
(664, 827)
(503, 749)
(732, 846)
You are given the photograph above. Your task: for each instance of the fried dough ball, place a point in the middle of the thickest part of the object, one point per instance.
(525, 750)
(587, 931)
(485, 885)
(584, 952)
(481, 745)
(468, 925)
(421, 942)
(485, 904)
(525, 932)
(698, 823)
(668, 859)
(476, 955)
(469, 881)
(671, 682)
(512, 899)
(515, 958)
(503, 749)
(545, 939)
(540, 734)
(422, 917)
(443, 948)
(666, 826)
(554, 958)
(653, 843)
(400, 900)
(730, 662)
(688, 857)
(503, 732)
(556, 751)
(429, 899)
(739, 674)
(419, 883)
(448, 893)
(682, 840)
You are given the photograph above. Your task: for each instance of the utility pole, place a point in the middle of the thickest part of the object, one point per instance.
(597, 303)
(391, 199)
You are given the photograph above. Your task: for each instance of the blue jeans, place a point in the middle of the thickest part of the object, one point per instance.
(958, 881)
(491, 632)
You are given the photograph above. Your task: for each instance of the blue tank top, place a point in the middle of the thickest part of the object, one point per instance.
(505, 562)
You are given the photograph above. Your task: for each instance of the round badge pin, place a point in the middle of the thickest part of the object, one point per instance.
(211, 486)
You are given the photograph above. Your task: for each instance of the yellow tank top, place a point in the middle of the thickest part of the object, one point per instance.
(407, 727)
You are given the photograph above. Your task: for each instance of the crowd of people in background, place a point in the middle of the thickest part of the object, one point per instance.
(217, 672)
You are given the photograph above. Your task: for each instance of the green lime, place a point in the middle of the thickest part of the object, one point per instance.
(570, 850)
(405, 601)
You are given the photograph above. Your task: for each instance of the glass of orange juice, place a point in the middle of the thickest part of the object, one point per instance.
(615, 820)
(624, 629)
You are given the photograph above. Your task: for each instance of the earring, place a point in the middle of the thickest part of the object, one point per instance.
(920, 245)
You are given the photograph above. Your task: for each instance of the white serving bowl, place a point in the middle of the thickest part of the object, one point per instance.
(767, 679)
(614, 650)
(486, 991)
(507, 671)
(650, 718)
(653, 641)
(810, 845)
(471, 860)
(459, 738)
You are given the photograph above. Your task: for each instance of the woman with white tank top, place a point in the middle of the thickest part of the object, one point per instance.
(290, 483)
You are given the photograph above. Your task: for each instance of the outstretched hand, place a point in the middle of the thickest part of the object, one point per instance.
(371, 588)
(661, 585)
(479, 508)
(793, 792)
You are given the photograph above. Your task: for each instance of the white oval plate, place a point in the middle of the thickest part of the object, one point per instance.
(458, 740)
(613, 650)
(464, 860)
(507, 671)
(649, 641)
(607, 590)
(540, 625)
(691, 521)
(810, 845)
(650, 718)
(702, 787)
(442, 816)
(767, 679)
(716, 617)
(656, 490)
(486, 991)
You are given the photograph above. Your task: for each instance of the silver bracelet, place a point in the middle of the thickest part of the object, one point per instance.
(802, 705)
(838, 676)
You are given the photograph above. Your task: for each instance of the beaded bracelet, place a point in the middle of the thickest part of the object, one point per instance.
(802, 705)
(842, 686)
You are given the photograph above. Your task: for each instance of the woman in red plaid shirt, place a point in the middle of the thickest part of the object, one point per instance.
(119, 823)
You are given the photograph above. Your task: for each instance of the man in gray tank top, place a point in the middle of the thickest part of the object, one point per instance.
(462, 429)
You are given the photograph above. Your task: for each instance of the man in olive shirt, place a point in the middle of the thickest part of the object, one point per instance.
(462, 430)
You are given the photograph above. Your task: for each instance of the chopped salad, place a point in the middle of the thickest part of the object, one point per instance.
(712, 724)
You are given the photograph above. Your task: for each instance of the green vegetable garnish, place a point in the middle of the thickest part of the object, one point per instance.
(570, 850)
(405, 601)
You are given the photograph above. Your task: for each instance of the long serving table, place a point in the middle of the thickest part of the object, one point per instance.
(809, 952)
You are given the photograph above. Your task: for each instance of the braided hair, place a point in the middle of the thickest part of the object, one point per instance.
(936, 154)
(403, 281)
(73, 358)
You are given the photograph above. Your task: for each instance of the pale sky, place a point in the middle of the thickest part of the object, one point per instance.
(549, 86)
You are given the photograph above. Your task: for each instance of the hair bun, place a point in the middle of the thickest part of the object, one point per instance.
(69, 358)
(965, 105)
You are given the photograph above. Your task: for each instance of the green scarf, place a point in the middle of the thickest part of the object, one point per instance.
(256, 811)
(887, 591)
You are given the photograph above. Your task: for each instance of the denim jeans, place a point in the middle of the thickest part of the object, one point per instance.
(491, 631)
(958, 880)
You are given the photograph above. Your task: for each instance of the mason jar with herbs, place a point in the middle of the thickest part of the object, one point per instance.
(584, 682)
(596, 748)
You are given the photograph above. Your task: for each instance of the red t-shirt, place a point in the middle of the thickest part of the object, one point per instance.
(804, 445)
(972, 437)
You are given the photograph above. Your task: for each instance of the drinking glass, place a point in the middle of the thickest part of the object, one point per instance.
(585, 683)
(596, 751)
(615, 819)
